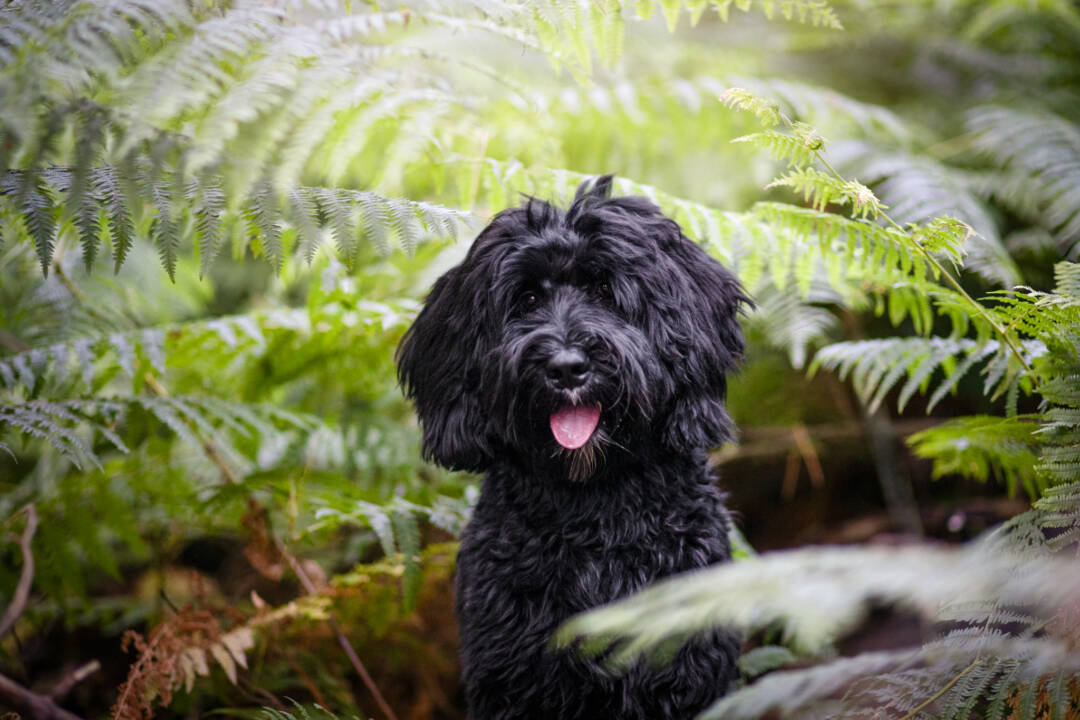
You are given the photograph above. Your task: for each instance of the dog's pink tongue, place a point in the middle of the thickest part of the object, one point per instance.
(572, 426)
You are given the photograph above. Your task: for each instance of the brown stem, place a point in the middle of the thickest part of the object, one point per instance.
(29, 704)
(208, 446)
(26, 579)
(809, 454)
(12, 343)
(942, 691)
(312, 688)
(310, 589)
(73, 678)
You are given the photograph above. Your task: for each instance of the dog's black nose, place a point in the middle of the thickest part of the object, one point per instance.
(568, 368)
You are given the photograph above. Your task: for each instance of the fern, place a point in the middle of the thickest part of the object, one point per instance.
(252, 95)
(134, 128)
(1043, 152)
(821, 189)
(988, 651)
(985, 584)
(877, 366)
(382, 220)
(795, 150)
(919, 190)
(844, 580)
(981, 447)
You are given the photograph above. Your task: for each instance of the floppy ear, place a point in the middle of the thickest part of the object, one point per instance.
(697, 418)
(438, 368)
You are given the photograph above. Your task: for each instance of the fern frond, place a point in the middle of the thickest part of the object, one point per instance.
(876, 366)
(199, 207)
(53, 423)
(39, 216)
(822, 189)
(981, 447)
(775, 587)
(82, 200)
(767, 112)
(815, 12)
(265, 212)
(919, 190)
(1042, 148)
(821, 106)
(208, 201)
(119, 223)
(795, 151)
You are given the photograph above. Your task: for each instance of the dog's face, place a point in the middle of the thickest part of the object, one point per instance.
(574, 340)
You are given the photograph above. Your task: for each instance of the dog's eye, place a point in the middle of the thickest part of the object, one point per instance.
(529, 300)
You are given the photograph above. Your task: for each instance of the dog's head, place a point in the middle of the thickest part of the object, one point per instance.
(569, 339)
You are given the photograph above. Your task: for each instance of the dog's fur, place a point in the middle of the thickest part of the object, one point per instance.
(559, 531)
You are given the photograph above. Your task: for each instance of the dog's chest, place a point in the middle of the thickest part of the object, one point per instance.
(567, 557)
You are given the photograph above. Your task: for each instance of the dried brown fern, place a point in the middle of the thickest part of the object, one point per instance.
(159, 668)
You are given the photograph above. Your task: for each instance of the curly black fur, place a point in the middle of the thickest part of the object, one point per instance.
(608, 305)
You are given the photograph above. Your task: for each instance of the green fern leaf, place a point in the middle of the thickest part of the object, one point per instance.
(303, 215)
(788, 148)
(39, 216)
(265, 211)
(981, 447)
(209, 208)
(120, 227)
(82, 200)
(374, 222)
(407, 533)
(339, 214)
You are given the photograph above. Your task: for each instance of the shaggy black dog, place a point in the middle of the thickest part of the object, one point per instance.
(577, 358)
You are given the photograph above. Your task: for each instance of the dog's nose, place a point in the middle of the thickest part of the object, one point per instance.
(568, 368)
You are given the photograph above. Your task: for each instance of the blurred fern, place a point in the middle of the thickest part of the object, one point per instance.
(184, 123)
(1004, 631)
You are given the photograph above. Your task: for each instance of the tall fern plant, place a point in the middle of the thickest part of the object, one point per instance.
(1003, 610)
(135, 421)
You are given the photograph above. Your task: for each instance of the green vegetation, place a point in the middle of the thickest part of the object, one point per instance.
(218, 218)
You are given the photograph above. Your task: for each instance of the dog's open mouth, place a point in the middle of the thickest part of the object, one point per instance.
(573, 425)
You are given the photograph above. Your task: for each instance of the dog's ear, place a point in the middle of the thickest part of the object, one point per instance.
(710, 300)
(436, 362)
(596, 190)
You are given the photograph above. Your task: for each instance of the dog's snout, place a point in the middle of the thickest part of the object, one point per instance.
(568, 368)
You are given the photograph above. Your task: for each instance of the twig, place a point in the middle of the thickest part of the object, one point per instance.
(73, 678)
(29, 704)
(892, 474)
(942, 691)
(310, 589)
(12, 343)
(208, 446)
(26, 579)
(312, 688)
(809, 454)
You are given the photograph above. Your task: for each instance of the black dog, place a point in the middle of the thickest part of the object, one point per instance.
(577, 358)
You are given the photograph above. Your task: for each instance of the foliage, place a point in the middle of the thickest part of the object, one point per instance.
(256, 401)
(1005, 634)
